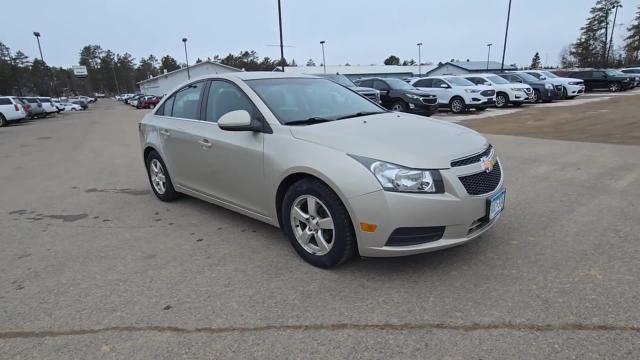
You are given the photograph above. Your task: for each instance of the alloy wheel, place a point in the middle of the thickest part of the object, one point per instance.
(312, 225)
(500, 101)
(614, 87)
(457, 106)
(396, 107)
(158, 178)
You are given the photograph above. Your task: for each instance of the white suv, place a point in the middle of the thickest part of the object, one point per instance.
(506, 92)
(457, 93)
(11, 109)
(569, 88)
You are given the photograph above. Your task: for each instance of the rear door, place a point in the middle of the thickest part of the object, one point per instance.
(385, 91)
(599, 80)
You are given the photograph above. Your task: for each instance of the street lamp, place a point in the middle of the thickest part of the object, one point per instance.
(184, 40)
(488, 54)
(37, 35)
(506, 33)
(281, 44)
(52, 83)
(419, 59)
(612, 28)
(324, 63)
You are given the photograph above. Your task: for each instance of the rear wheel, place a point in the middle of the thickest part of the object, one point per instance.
(565, 93)
(317, 224)
(615, 87)
(537, 96)
(502, 100)
(457, 105)
(159, 178)
(399, 106)
(3, 121)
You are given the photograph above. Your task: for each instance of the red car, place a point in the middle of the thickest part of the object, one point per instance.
(148, 102)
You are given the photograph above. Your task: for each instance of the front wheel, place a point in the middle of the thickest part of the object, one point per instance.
(317, 224)
(457, 105)
(399, 106)
(159, 178)
(614, 87)
(3, 121)
(537, 96)
(502, 100)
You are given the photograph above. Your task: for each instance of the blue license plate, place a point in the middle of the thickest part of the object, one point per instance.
(495, 204)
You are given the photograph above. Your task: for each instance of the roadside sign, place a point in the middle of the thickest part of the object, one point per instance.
(80, 71)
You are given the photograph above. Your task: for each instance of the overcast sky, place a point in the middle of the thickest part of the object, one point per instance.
(356, 31)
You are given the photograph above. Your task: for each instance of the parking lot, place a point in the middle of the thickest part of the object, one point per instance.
(94, 266)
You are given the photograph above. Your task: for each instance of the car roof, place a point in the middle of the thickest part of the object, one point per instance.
(254, 75)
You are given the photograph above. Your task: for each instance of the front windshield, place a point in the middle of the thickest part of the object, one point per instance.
(397, 84)
(300, 99)
(497, 80)
(549, 75)
(459, 81)
(615, 73)
(527, 77)
(340, 79)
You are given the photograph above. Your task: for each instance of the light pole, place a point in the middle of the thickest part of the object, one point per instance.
(324, 63)
(506, 33)
(52, 83)
(281, 44)
(488, 54)
(419, 59)
(613, 27)
(184, 40)
(37, 35)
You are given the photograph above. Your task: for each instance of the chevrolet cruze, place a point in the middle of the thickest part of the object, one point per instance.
(337, 173)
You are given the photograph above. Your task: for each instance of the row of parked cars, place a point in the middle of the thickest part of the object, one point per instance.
(460, 93)
(139, 101)
(14, 108)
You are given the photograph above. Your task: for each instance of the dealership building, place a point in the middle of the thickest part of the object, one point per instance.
(355, 72)
(165, 83)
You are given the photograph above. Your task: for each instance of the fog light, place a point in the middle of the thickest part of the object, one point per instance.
(368, 227)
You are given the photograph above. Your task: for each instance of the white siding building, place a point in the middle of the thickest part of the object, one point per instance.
(354, 72)
(468, 67)
(165, 83)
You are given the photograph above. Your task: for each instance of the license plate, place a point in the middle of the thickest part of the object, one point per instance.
(495, 204)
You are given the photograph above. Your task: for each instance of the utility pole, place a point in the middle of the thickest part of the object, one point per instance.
(324, 62)
(489, 54)
(52, 79)
(506, 34)
(281, 44)
(419, 59)
(610, 47)
(184, 40)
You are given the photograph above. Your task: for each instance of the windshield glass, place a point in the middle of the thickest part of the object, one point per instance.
(459, 81)
(615, 73)
(497, 80)
(294, 100)
(340, 79)
(549, 75)
(398, 84)
(527, 77)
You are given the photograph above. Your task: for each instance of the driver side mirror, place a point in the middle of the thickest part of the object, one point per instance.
(543, 78)
(239, 120)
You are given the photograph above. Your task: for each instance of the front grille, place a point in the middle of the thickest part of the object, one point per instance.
(559, 88)
(488, 93)
(484, 182)
(471, 159)
(528, 90)
(407, 236)
(371, 96)
(430, 100)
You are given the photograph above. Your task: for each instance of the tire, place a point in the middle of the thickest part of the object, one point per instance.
(399, 106)
(3, 121)
(565, 93)
(155, 167)
(338, 230)
(457, 105)
(537, 96)
(502, 100)
(615, 87)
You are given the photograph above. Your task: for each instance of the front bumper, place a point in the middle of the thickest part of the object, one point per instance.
(574, 90)
(521, 97)
(463, 216)
(549, 94)
(420, 108)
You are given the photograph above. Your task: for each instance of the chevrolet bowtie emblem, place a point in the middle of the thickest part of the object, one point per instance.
(487, 164)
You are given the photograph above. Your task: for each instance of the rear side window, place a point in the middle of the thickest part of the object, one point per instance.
(186, 102)
(438, 83)
(423, 83)
(597, 74)
(477, 81)
(5, 101)
(380, 85)
(225, 97)
(535, 74)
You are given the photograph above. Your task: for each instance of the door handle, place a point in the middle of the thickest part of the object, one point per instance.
(205, 143)
(165, 132)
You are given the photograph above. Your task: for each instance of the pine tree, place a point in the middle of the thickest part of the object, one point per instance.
(591, 47)
(535, 62)
(632, 41)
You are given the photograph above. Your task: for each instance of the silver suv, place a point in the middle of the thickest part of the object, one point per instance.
(337, 173)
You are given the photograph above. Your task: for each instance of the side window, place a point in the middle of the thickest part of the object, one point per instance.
(366, 83)
(597, 74)
(225, 97)
(5, 101)
(426, 83)
(380, 85)
(476, 80)
(535, 74)
(187, 102)
(438, 83)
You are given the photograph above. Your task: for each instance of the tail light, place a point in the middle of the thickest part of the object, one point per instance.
(16, 107)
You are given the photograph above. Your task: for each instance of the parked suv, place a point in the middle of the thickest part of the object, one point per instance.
(506, 92)
(633, 72)
(36, 110)
(457, 93)
(11, 110)
(339, 174)
(397, 95)
(602, 79)
(542, 90)
(571, 88)
(369, 93)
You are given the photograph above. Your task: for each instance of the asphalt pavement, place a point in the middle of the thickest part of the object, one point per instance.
(94, 266)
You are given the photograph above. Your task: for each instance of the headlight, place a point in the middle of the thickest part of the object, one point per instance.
(398, 178)
(472, 91)
(548, 86)
(574, 83)
(517, 89)
(412, 96)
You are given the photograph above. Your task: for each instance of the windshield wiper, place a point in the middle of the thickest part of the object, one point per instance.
(309, 121)
(361, 113)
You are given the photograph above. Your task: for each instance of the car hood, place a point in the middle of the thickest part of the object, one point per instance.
(568, 79)
(404, 139)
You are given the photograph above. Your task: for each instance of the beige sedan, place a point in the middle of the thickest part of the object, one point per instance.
(336, 172)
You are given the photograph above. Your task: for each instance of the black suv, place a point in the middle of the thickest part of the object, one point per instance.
(601, 79)
(397, 95)
(542, 90)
